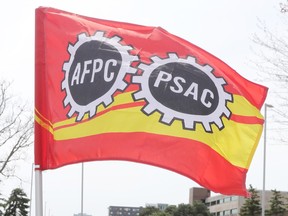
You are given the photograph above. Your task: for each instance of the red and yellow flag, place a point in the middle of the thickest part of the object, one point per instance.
(107, 90)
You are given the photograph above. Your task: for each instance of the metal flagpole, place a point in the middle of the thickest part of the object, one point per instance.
(38, 191)
(31, 188)
(82, 188)
(264, 158)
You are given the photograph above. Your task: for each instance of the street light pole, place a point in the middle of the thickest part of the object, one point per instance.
(264, 158)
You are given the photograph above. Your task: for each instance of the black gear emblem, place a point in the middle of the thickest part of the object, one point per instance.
(94, 72)
(182, 89)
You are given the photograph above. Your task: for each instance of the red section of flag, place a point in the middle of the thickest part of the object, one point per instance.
(192, 159)
(58, 35)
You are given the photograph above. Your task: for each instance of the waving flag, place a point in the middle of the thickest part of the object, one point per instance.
(107, 90)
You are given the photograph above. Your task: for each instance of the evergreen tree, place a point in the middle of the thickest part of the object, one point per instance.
(160, 213)
(17, 203)
(148, 211)
(184, 210)
(252, 204)
(171, 209)
(2, 206)
(286, 204)
(276, 204)
(200, 209)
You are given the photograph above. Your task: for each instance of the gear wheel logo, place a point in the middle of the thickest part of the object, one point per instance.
(182, 89)
(94, 72)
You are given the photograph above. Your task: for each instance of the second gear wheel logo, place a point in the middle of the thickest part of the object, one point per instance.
(94, 72)
(182, 89)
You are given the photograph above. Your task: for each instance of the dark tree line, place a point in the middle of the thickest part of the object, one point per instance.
(197, 209)
(252, 205)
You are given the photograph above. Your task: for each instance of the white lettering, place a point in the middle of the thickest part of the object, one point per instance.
(179, 88)
(109, 76)
(85, 70)
(76, 74)
(176, 85)
(95, 68)
(204, 99)
(192, 90)
(162, 76)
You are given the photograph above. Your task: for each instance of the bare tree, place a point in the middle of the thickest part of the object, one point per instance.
(273, 52)
(272, 62)
(284, 7)
(16, 130)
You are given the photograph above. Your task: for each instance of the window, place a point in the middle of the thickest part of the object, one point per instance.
(213, 203)
(227, 212)
(227, 199)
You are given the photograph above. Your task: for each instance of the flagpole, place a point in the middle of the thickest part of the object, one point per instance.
(31, 189)
(82, 188)
(38, 191)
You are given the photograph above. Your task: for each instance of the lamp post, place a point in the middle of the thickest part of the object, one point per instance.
(264, 158)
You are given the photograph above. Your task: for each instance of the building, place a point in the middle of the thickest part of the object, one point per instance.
(82, 214)
(222, 205)
(198, 194)
(133, 211)
(161, 206)
(124, 211)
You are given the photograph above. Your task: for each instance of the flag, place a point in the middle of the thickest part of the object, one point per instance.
(107, 90)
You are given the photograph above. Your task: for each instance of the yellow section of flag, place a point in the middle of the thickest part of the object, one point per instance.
(226, 142)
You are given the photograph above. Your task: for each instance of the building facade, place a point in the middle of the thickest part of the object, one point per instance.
(124, 211)
(222, 205)
(133, 211)
(82, 214)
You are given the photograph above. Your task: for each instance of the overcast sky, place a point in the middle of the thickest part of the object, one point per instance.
(224, 28)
